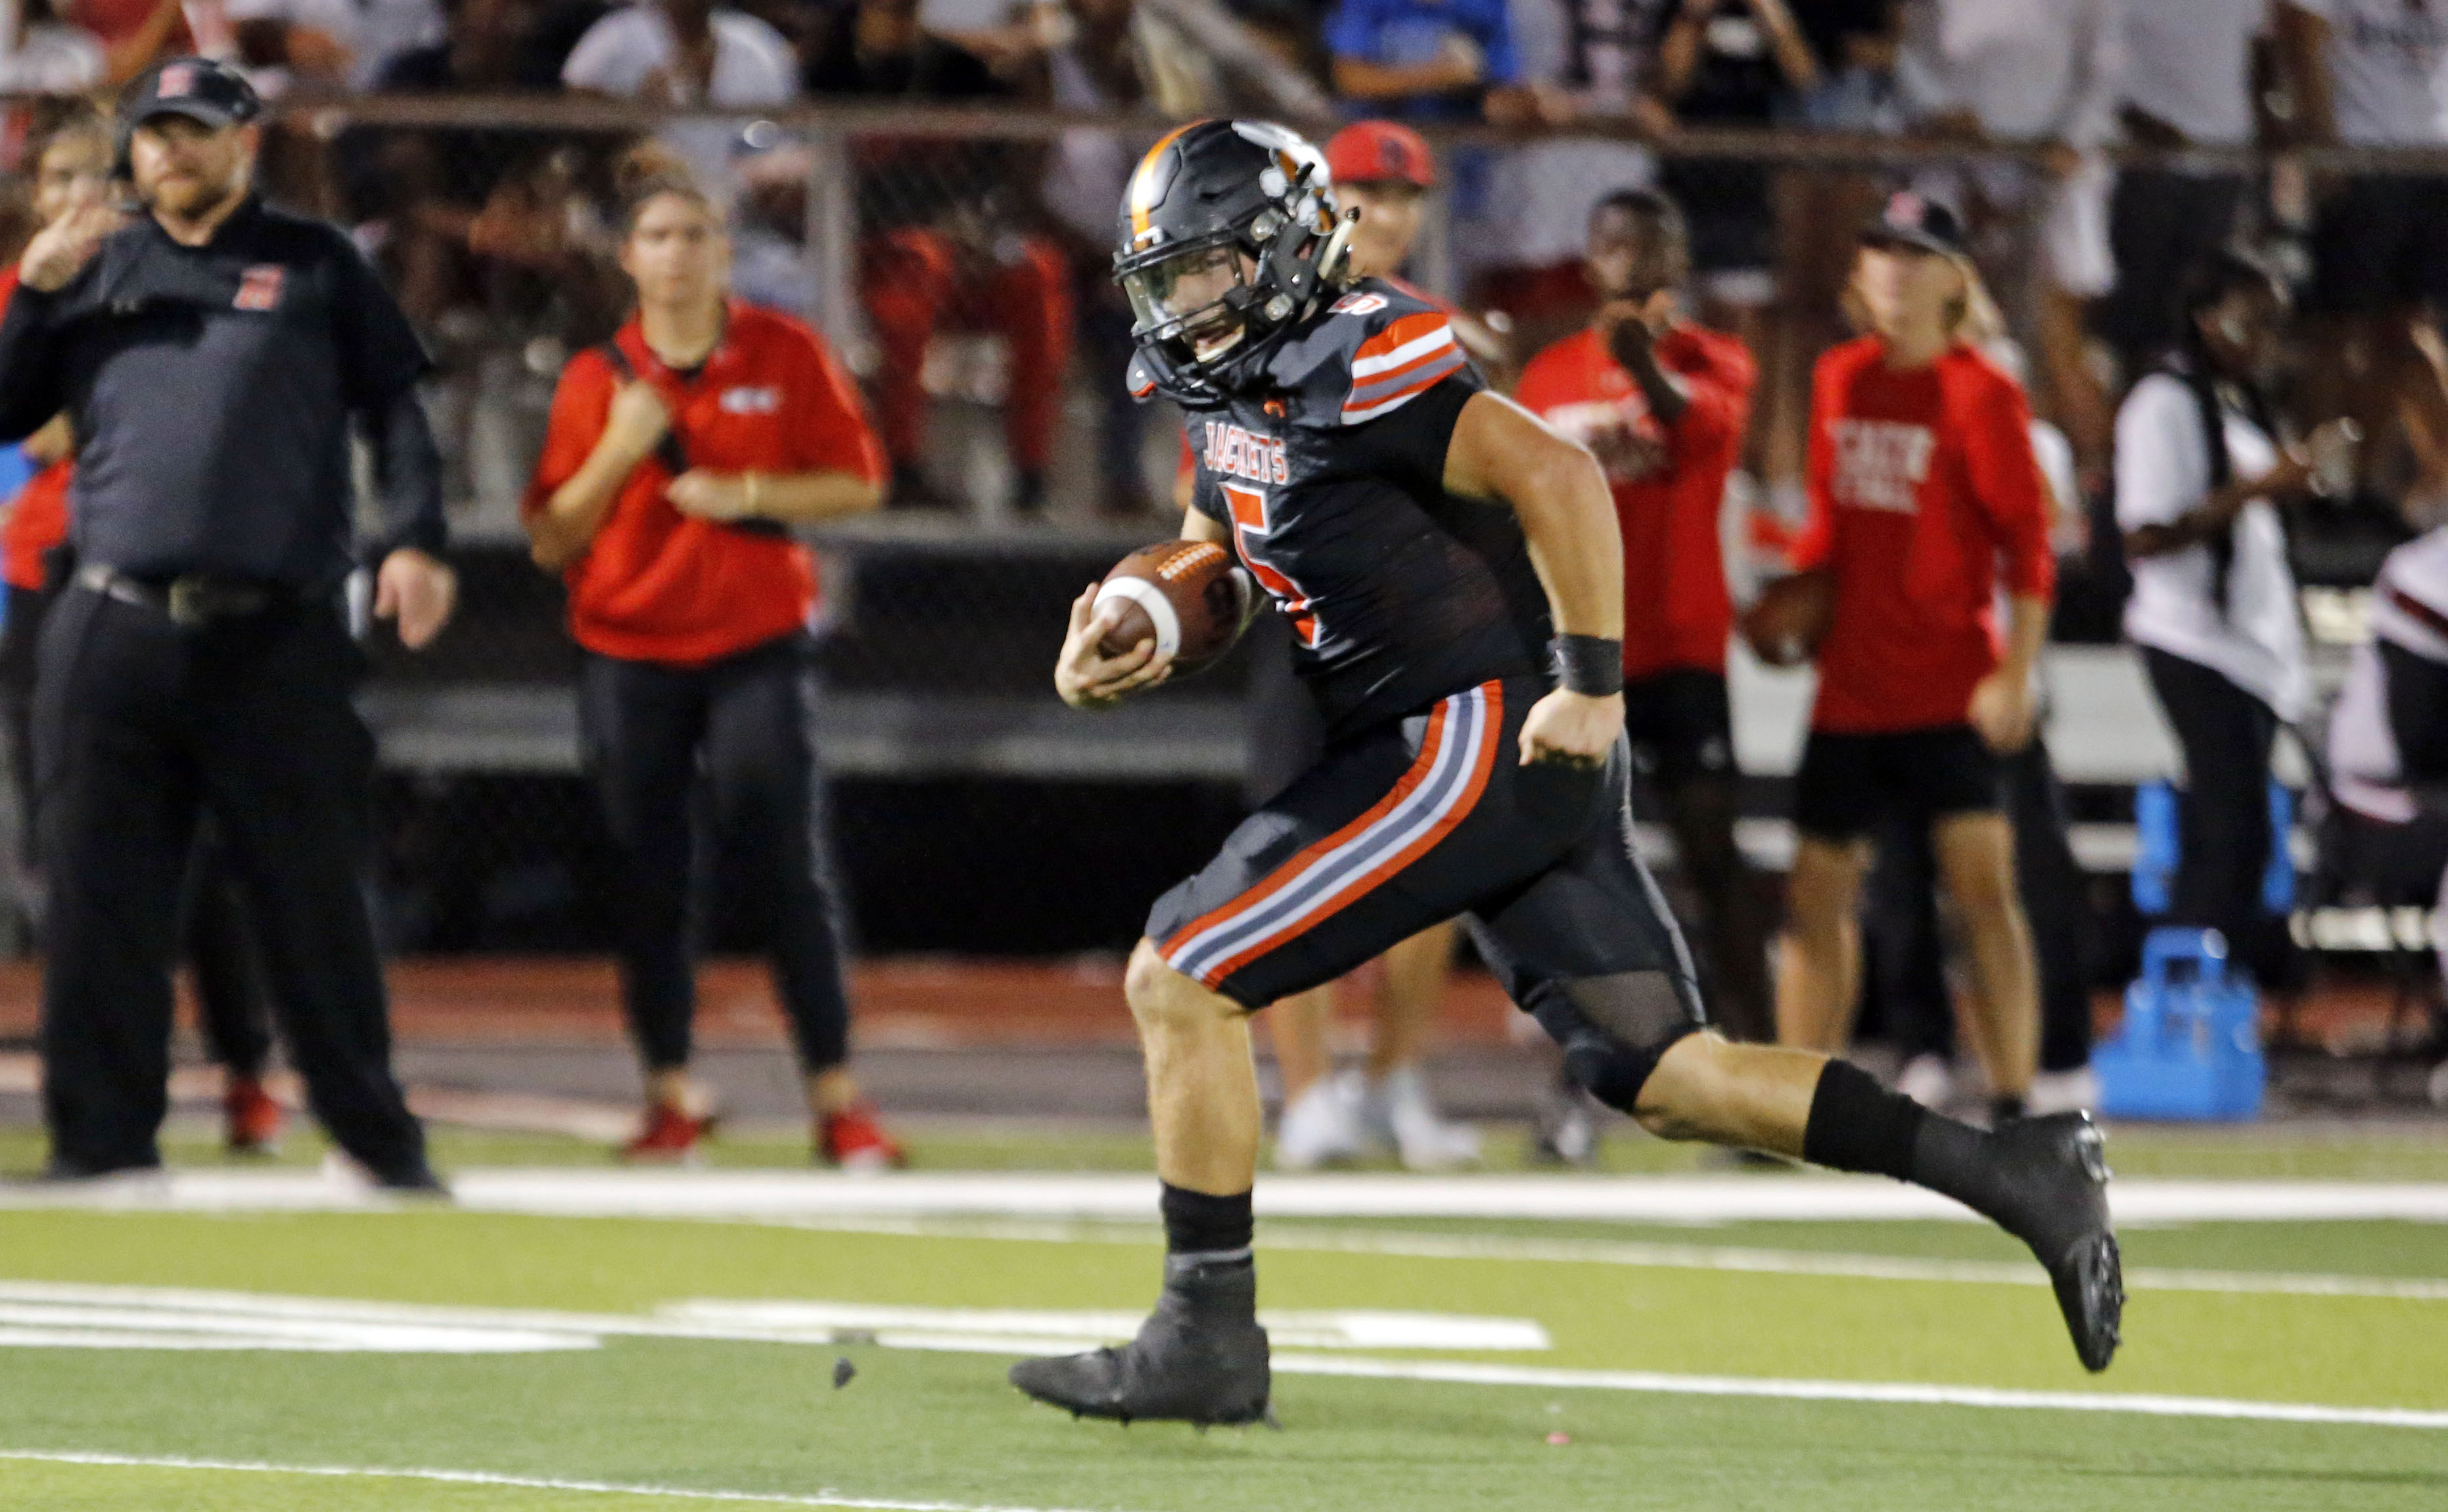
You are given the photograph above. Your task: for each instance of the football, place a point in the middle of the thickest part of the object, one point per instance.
(1187, 596)
(1787, 622)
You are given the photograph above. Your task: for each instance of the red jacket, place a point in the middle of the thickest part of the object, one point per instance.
(38, 517)
(1925, 499)
(656, 585)
(1675, 609)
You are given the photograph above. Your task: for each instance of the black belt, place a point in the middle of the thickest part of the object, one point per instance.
(191, 600)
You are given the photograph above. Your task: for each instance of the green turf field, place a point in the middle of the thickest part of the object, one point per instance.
(630, 1417)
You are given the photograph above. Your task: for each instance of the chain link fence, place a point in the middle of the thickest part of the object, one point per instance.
(956, 258)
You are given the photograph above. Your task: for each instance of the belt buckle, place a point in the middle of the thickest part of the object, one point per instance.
(188, 602)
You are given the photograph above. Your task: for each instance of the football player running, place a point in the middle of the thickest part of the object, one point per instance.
(1452, 573)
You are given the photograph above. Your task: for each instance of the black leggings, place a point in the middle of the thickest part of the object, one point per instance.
(2223, 822)
(741, 725)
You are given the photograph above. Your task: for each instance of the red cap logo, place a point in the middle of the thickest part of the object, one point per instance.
(177, 82)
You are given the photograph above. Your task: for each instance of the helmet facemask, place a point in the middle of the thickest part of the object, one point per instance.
(1194, 301)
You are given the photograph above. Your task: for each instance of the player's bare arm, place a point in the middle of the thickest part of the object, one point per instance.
(561, 531)
(1083, 673)
(1502, 451)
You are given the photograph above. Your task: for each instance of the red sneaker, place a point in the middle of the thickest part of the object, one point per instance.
(670, 1137)
(853, 1140)
(250, 1119)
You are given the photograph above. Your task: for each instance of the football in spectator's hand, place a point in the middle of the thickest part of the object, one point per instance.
(1186, 596)
(1787, 622)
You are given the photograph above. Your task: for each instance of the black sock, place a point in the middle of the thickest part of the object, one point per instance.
(1858, 1125)
(1208, 1228)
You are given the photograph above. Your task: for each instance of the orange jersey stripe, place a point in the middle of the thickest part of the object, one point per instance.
(1490, 735)
(1432, 743)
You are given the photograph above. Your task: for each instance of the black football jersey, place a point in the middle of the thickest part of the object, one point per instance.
(1331, 481)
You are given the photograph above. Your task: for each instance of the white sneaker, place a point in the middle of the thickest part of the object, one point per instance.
(1928, 1080)
(1319, 1127)
(2074, 1091)
(1398, 1113)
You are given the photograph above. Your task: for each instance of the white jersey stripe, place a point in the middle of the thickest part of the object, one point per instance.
(1336, 874)
(1409, 352)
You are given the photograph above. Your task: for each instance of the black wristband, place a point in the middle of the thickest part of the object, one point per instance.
(1588, 663)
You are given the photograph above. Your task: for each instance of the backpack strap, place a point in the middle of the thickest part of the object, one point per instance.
(669, 450)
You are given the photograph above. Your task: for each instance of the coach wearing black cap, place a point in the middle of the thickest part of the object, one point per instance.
(212, 356)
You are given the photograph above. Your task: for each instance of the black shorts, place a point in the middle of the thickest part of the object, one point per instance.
(1681, 724)
(2380, 242)
(1410, 824)
(1851, 782)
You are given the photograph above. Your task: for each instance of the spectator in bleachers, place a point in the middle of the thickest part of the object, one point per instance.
(687, 54)
(1580, 60)
(1817, 208)
(945, 246)
(2012, 71)
(47, 55)
(1727, 62)
(1424, 58)
(287, 43)
(1116, 59)
(2188, 83)
(134, 34)
(2373, 73)
(2200, 476)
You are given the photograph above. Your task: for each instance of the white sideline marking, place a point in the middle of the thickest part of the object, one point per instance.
(789, 1194)
(43, 1315)
(524, 1483)
(1642, 1255)
(1466, 1373)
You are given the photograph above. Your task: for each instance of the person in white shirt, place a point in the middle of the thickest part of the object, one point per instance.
(2188, 83)
(42, 54)
(2200, 473)
(2012, 70)
(2373, 73)
(687, 54)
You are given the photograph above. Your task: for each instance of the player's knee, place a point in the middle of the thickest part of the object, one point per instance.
(1612, 1030)
(1161, 997)
(1678, 1100)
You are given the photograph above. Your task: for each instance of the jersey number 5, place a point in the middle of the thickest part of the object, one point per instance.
(1250, 533)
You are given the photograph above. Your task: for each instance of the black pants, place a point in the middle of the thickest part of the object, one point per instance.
(2223, 819)
(216, 936)
(744, 722)
(141, 728)
(1903, 955)
(2159, 225)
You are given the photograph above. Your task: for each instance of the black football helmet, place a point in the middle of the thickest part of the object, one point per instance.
(1229, 233)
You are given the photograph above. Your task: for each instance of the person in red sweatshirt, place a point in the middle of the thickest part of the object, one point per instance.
(1926, 501)
(677, 457)
(1664, 405)
(71, 153)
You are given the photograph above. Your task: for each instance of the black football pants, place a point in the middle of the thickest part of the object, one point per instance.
(141, 728)
(744, 722)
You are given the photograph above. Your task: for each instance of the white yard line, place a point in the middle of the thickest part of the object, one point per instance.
(1640, 1256)
(1465, 1372)
(524, 1483)
(784, 1196)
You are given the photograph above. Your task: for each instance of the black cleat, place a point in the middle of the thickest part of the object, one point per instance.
(2056, 1169)
(1199, 1358)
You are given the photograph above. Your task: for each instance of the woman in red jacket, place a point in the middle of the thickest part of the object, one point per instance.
(1926, 501)
(677, 457)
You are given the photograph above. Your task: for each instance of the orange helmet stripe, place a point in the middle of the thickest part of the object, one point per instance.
(1143, 190)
